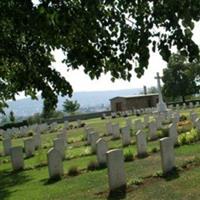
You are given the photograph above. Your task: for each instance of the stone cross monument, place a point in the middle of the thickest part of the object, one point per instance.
(161, 106)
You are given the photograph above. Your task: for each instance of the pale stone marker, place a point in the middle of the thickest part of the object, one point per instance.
(37, 140)
(152, 130)
(29, 147)
(146, 120)
(93, 139)
(167, 154)
(101, 149)
(141, 142)
(17, 159)
(55, 165)
(190, 105)
(59, 145)
(138, 124)
(173, 133)
(88, 131)
(109, 128)
(126, 136)
(116, 169)
(7, 146)
(129, 123)
(115, 131)
(63, 137)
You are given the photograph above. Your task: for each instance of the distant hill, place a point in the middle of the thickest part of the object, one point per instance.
(26, 107)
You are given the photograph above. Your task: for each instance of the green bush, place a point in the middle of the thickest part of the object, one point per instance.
(183, 118)
(92, 165)
(128, 156)
(73, 171)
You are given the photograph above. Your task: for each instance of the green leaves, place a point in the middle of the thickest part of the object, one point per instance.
(102, 36)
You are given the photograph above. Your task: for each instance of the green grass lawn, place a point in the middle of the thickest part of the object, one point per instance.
(32, 183)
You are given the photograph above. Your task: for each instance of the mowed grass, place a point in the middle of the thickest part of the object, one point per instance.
(32, 183)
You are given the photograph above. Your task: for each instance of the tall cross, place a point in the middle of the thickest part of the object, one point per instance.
(158, 77)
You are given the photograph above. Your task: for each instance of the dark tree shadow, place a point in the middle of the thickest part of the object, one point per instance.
(10, 179)
(51, 181)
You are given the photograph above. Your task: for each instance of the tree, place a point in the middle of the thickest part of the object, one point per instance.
(102, 36)
(70, 106)
(11, 116)
(180, 77)
(152, 90)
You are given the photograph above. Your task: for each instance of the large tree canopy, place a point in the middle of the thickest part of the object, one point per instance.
(180, 77)
(102, 36)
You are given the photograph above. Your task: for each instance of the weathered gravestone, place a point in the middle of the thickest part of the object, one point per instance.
(115, 131)
(109, 128)
(129, 123)
(17, 159)
(146, 120)
(153, 130)
(101, 149)
(167, 154)
(116, 169)
(138, 125)
(59, 145)
(37, 140)
(93, 137)
(126, 136)
(173, 133)
(63, 137)
(29, 147)
(55, 165)
(141, 142)
(7, 146)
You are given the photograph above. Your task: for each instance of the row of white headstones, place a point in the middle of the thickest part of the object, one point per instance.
(112, 158)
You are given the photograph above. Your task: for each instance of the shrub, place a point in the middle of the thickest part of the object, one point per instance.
(128, 156)
(183, 118)
(154, 150)
(93, 165)
(73, 171)
(30, 133)
(137, 181)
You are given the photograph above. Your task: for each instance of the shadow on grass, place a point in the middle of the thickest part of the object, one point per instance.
(10, 179)
(51, 181)
(174, 174)
(117, 194)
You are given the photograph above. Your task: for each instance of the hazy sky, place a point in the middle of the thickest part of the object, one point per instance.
(81, 82)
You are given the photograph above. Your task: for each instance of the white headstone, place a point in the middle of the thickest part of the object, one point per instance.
(138, 125)
(109, 128)
(173, 133)
(7, 146)
(55, 165)
(152, 130)
(116, 169)
(59, 145)
(126, 136)
(29, 147)
(17, 159)
(93, 139)
(37, 140)
(101, 149)
(141, 142)
(116, 131)
(167, 154)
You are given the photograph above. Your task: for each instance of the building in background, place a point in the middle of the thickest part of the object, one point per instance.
(123, 103)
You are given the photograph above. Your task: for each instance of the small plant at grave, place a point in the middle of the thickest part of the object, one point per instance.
(158, 174)
(164, 132)
(182, 139)
(138, 181)
(92, 165)
(71, 126)
(154, 150)
(183, 118)
(128, 156)
(82, 125)
(73, 171)
(184, 126)
(30, 133)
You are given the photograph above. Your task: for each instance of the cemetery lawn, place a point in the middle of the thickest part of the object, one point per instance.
(144, 180)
